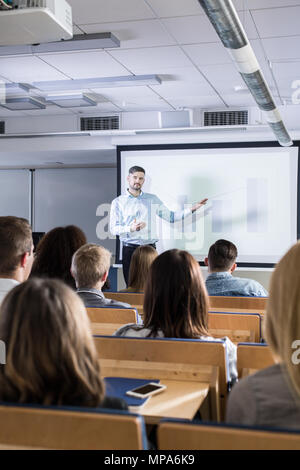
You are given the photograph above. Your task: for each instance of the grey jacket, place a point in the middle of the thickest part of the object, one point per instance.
(264, 399)
(95, 298)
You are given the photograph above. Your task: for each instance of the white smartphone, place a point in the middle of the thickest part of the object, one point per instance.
(146, 390)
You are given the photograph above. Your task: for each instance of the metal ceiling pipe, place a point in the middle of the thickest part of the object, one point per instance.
(226, 22)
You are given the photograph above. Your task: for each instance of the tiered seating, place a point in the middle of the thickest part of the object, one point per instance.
(183, 361)
(252, 357)
(239, 327)
(27, 427)
(186, 435)
(105, 321)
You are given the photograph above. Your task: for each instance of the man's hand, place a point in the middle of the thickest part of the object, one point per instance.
(199, 204)
(137, 226)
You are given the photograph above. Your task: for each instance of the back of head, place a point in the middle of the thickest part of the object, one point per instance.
(222, 255)
(54, 253)
(15, 240)
(282, 325)
(176, 300)
(51, 358)
(89, 264)
(141, 261)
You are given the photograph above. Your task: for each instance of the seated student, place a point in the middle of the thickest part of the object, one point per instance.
(54, 253)
(271, 397)
(90, 267)
(140, 263)
(16, 252)
(221, 262)
(51, 358)
(176, 303)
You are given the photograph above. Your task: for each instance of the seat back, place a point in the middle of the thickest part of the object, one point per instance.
(252, 357)
(105, 321)
(136, 300)
(198, 436)
(238, 327)
(26, 427)
(258, 304)
(112, 315)
(173, 359)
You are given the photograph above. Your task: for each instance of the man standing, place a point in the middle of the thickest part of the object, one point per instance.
(132, 216)
(16, 252)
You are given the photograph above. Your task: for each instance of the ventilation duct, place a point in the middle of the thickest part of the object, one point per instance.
(2, 127)
(100, 123)
(226, 22)
(225, 118)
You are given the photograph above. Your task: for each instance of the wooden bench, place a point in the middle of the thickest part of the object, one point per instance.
(239, 327)
(252, 357)
(183, 361)
(105, 321)
(136, 300)
(238, 304)
(189, 436)
(25, 427)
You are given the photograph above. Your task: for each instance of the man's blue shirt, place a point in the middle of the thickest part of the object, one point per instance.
(223, 283)
(143, 208)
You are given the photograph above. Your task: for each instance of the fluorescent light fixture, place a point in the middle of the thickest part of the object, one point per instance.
(80, 42)
(22, 104)
(90, 83)
(71, 101)
(16, 88)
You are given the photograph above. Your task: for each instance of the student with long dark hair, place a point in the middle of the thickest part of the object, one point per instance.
(176, 303)
(54, 253)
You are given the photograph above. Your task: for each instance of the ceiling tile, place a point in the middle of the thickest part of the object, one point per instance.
(277, 21)
(86, 64)
(243, 99)
(197, 101)
(140, 60)
(223, 77)
(197, 29)
(169, 8)
(168, 90)
(208, 54)
(283, 48)
(108, 11)
(132, 34)
(191, 29)
(259, 4)
(28, 69)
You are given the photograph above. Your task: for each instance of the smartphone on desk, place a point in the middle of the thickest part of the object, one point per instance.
(146, 390)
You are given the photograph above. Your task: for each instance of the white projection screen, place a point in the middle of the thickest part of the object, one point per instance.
(251, 189)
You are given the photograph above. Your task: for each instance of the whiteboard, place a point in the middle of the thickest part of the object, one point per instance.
(75, 196)
(15, 193)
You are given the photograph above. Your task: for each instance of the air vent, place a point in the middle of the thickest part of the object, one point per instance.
(225, 118)
(103, 123)
(2, 127)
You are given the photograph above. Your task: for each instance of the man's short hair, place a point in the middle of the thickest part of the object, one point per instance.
(135, 168)
(89, 263)
(15, 241)
(222, 255)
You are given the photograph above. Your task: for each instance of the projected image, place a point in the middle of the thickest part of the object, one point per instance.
(252, 198)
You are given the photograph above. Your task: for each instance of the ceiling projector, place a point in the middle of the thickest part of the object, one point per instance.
(34, 21)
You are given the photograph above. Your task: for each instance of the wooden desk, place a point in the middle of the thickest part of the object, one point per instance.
(181, 399)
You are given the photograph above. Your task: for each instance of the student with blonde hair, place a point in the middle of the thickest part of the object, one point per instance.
(271, 397)
(141, 261)
(51, 358)
(90, 268)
